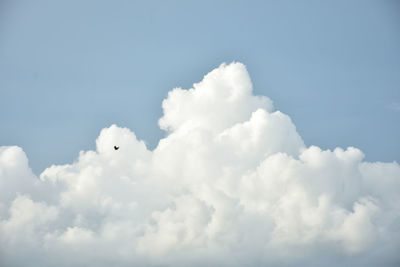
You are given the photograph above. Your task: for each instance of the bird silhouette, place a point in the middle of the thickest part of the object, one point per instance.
(116, 147)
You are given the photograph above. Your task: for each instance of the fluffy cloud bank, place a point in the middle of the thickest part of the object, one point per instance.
(232, 184)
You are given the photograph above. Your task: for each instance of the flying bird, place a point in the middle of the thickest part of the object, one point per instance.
(116, 147)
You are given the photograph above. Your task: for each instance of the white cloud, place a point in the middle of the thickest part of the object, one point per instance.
(394, 106)
(232, 184)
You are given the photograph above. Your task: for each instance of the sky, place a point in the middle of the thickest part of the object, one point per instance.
(70, 68)
(261, 133)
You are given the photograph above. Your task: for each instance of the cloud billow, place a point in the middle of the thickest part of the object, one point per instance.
(232, 184)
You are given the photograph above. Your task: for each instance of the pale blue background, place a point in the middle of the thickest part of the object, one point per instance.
(70, 68)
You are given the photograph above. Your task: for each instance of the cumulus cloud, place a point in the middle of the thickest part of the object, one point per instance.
(231, 184)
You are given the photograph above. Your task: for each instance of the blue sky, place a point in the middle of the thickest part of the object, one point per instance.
(70, 68)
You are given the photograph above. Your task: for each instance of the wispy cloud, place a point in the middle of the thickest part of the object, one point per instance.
(394, 106)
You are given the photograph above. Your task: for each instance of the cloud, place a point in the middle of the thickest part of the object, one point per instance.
(394, 106)
(232, 184)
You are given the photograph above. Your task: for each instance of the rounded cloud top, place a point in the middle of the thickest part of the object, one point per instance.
(224, 97)
(232, 184)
